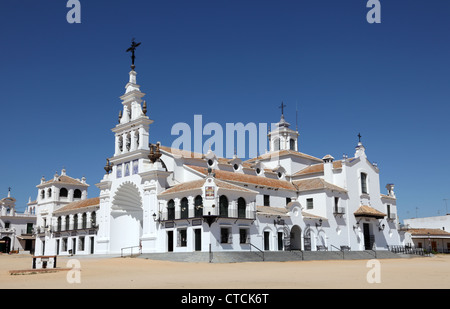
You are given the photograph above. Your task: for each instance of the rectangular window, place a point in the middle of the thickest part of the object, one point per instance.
(119, 171)
(135, 166)
(243, 236)
(81, 243)
(182, 238)
(225, 235)
(336, 204)
(389, 211)
(266, 200)
(127, 169)
(364, 183)
(309, 203)
(64, 244)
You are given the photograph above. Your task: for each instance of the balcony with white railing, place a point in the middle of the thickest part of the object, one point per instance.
(72, 227)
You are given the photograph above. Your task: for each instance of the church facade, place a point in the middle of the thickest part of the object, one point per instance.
(154, 198)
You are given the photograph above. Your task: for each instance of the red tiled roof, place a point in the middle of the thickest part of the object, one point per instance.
(197, 184)
(80, 204)
(247, 179)
(282, 153)
(425, 232)
(64, 179)
(317, 168)
(368, 211)
(316, 184)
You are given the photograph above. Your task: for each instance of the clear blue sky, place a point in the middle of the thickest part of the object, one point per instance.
(230, 61)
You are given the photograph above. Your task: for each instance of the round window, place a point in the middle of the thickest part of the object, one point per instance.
(258, 170)
(236, 166)
(210, 162)
(279, 174)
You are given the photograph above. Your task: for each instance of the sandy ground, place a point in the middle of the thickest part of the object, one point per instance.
(130, 273)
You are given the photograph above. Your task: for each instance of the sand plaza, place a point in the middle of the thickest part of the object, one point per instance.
(106, 272)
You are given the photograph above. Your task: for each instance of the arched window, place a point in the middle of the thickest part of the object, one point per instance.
(58, 224)
(67, 223)
(84, 221)
(241, 207)
(77, 193)
(42, 194)
(93, 219)
(364, 183)
(276, 144)
(223, 206)
(198, 206)
(184, 208)
(75, 222)
(63, 192)
(292, 144)
(171, 210)
(49, 192)
(120, 143)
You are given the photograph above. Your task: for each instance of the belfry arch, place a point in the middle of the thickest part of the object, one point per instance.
(126, 218)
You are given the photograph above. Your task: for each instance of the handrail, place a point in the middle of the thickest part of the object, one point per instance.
(339, 249)
(374, 252)
(252, 245)
(131, 251)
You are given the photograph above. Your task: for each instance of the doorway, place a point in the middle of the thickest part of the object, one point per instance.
(266, 241)
(296, 238)
(169, 241)
(367, 237)
(92, 245)
(74, 245)
(6, 244)
(198, 239)
(57, 246)
(280, 241)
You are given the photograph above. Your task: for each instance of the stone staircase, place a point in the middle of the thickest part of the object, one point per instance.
(269, 256)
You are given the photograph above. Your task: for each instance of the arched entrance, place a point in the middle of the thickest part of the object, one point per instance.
(296, 238)
(126, 218)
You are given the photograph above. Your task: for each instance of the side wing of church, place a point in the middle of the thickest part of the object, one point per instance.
(154, 198)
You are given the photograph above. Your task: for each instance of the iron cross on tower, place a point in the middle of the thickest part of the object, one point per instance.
(132, 49)
(282, 106)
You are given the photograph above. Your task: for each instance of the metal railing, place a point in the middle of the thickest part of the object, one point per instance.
(260, 254)
(407, 250)
(131, 250)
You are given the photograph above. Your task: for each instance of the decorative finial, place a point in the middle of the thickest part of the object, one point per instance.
(144, 107)
(132, 49)
(108, 167)
(359, 137)
(9, 191)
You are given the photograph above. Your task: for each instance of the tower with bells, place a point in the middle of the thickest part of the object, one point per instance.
(283, 137)
(134, 176)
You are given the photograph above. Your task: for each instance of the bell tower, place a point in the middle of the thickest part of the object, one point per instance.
(132, 132)
(282, 137)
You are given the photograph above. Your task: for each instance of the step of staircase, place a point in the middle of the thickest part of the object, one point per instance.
(269, 256)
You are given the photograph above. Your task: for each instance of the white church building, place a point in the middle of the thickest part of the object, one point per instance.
(154, 198)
